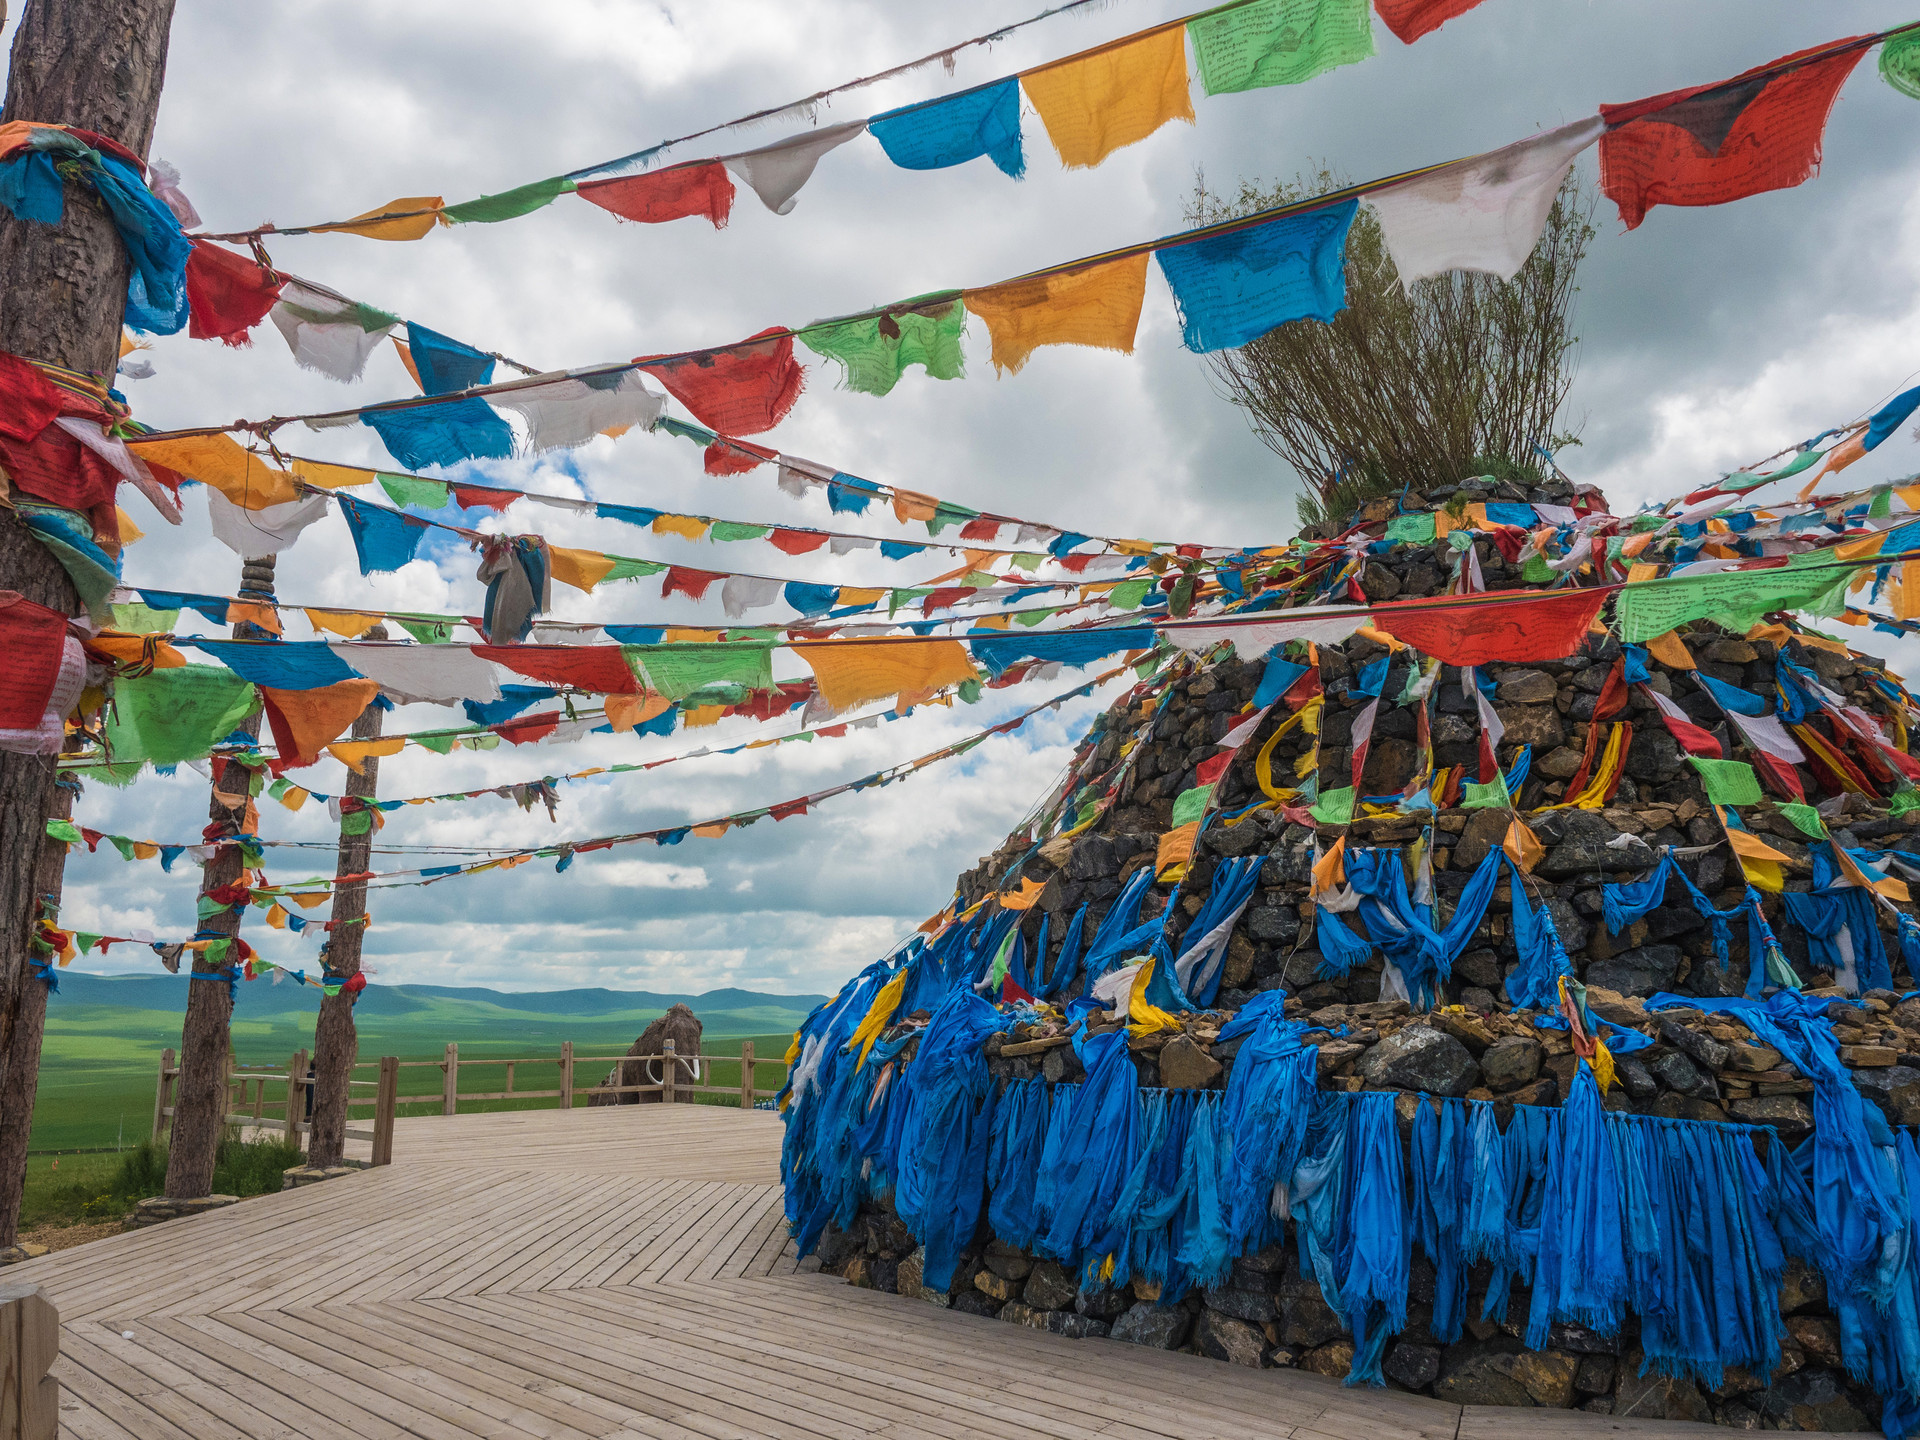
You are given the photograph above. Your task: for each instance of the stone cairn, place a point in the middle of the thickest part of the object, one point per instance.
(1471, 1044)
(679, 1025)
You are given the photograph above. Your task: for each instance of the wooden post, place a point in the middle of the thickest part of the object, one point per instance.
(29, 1344)
(667, 1067)
(566, 1074)
(450, 1093)
(336, 1044)
(383, 1106)
(509, 1089)
(296, 1072)
(206, 1038)
(63, 290)
(747, 1096)
(162, 1094)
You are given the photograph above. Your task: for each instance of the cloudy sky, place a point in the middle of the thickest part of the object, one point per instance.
(1710, 338)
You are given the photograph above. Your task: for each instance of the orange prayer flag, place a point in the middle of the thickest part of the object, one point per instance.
(266, 617)
(145, 849)
(1098, 306)
(690, 527)
(352, 753)
(1522, 846)
(582, 569)
(131, 649)
(626, 711)
(857, 595)
(1023, 898)
(1097, 102)
(1331, 868)
(1670, 650)
(405, 352)
(416, 216)
(223, 464)
(304, 721)
(329, 477)
(852, 674)
(912, 505)
(1860, 549)
(277, 915)
(713, 831)
(351, 626)
(1634, 544)
(1838, 458)
(129, 532)
(1176, 848)
(293, 797)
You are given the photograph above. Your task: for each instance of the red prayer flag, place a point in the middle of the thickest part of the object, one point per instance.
(28, 400)
(601, 669)
(1012, 990)
(981, 529)
(528, 729)
(687, 581)
(1210, 770)
(945, 598)
(1538, 627)
(1410, 19)
(1781, 777)
(798, 542)
(702, 189)
(1711, 144)
(788, 810)
(727, 456)
(32, 638)
(227, 294)
(741, 390)
(486, 495)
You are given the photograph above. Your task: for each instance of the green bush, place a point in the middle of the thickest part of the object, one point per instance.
(241, 1167)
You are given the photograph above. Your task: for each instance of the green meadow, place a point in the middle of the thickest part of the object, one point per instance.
(105, 1036)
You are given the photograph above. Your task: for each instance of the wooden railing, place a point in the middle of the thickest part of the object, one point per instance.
(285, 1109)
(256, 1097)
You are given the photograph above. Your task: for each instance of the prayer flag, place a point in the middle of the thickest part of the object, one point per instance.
(933, 135)
(383, 539)
(1900, 63)
(573, 410)
(1107, 98)
(227, 294)
(176, 714)
(431, 674)
(1191, 804)
(221, 463)
(740, 390)
(676, 671)
(442, 434)
(444, 364)
(598, 669)
(355, 753)
(1737, 599)
(1278, 42)
(582, 569)
(1410, 19)
(508, 204)
(303, 721)
(328, 332)
(1175, 849)
(1522, 846)
(1482, 214)
(1712, 144)
(251, 534)
(852, 674)
(1234, 287)
(32, 642)
(1335, 807)
(1533, 626)
(874, 351)
(1097, 306)
(284, 664)
(415, 216)
(700, 189)
(1728, 782)
(776, 172)
(1890, 417)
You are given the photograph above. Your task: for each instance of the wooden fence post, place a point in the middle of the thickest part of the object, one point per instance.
(747, 1096)
(450, 1096)
(566, 1074)
(29, 1344)
(160, 1092)
(667, 1067)
(383, 1108)
(296, 1071)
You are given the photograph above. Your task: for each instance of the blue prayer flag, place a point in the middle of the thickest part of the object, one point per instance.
(281, 664)
(513, 699)
(899, 549)
(32, 189)
(999, 649)
(934, 135)
(384, 539)
(443, 434)
(637, 634)
(811, 599)
(632, 514)
(847, 499)
(445, 364)
(1235, 287)
(1890, 416)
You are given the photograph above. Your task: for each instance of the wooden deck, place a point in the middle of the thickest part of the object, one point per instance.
(613, 1273)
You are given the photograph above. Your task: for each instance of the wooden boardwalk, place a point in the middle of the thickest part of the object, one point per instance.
(612, 1273)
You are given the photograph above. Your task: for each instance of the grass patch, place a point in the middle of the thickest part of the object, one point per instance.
(92, 1188)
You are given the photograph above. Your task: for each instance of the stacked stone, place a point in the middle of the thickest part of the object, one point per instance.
(1472, 1045)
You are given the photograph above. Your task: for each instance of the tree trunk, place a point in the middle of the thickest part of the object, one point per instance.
(97, 64)
(335, 1043)
(200, 1106)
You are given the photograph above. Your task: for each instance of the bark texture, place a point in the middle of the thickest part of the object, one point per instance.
(98, 64)
(336, 1044)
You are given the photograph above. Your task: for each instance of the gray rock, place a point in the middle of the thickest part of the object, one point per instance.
(1528, 687)
(1788, 1114)
(1595, 1375)
(1510, 1062)
(1185, 1066)
(1272, 922)
(1479, 1372)
(1420, 1058)
(1104, 1304)
(1068, 1323)
(1414, 1366)
(1802, 1287)
(1224, 1338)
(1653, 756)
(1006, 1262)
(972, 1302)
(1654, 1396)
(1093, 858)
(1308, 1320)
(1049, 1287)
(1637, 972)
(1484, 832)
(1633, 1074)
(1707, 1051)
(1676, 1072)
(1536, 725)
(1481, 968)
(1156, 1327)
(1256, 1309)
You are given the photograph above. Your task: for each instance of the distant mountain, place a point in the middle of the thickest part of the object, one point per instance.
(723, 1012)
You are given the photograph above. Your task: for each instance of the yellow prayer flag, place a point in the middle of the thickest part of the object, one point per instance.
(352, 752)
(1101, 100)
(701, 716)
(129, 532)
(1670, 650)
(293, 797)
(690, 527)
(1860, 549)
(1643, 571)
(993, 622)
(222, 463)
(251, 612)
(345, 623)
(1904, 590)
(372, 227)
(311, 898)
(852, 674)
(1380, 637)
(857, 595)
(277, 915)
(329, 477)
(686, 635)
(582, 569)
(1098, 306)
(1176, 848)
(145, 849)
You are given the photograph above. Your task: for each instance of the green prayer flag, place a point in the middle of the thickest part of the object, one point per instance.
(66, 830)
(946, 514)
(1799, 462)
(177, 714)
(625, 567)
(1335, 807)
(483, 742)
(358, 823)
(206, 907)
(1491, 796)
(85, 942)
(1900, 63)
(1882, 503)
(508, 203)
(1191, 804)
(1278, 42)
(1737, 599)
(998, 970)
(1536, 571)
(872, 359)
(439, 744)
(676, 671)
(144, 619)
(1026, 562)
(1411, 529)
(726, 530)
(1806, 820)
(969, 692)
(216, 952)
(1728, 782)
(898, 600)
(428, 631)
(1128, 594)
(406, 490)
(1034, 617)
